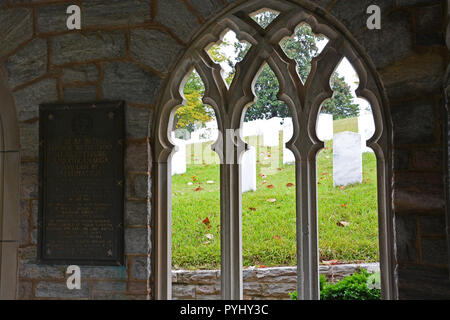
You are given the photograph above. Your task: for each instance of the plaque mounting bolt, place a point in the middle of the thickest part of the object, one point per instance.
(50, 117)
(120, 183)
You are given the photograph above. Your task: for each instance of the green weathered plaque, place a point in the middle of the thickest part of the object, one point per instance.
(81, 183)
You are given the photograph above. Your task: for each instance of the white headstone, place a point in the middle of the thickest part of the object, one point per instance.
(249, 170)
(179, 156)
(271, 132)
(252, 128)
(347, 158)
(366, 128)
(325, 127)
(208, 133)
(288, 131)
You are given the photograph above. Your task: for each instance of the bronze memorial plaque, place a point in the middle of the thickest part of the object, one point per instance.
(81, 183)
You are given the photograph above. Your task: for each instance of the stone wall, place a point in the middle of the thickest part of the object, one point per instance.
(126, 49)
(123, 52)
(259, 283)
(418, 186)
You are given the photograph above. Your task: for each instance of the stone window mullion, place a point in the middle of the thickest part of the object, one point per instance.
(304, 101)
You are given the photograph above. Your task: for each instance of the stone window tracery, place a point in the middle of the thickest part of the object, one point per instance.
(304, 97)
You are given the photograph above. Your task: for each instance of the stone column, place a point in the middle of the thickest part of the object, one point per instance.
(231, 216)
(9, 195)
(447, 134)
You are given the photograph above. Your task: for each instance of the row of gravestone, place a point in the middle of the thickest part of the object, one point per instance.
(347, 146)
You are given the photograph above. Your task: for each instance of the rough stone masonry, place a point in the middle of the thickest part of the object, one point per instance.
(125, 51)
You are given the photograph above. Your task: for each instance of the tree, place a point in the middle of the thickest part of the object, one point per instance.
(195, 113)
(341, 105)
(302, 48)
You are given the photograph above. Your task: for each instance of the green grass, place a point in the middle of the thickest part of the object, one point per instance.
(345, 125)
(268, 229)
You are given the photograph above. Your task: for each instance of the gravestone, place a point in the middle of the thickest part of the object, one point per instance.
(249, 170)
(325, 127)
(81, 184)
(179, 156)
(347, 159)
(366, 128)
(288, 131)
(271, 132)
(252, 128)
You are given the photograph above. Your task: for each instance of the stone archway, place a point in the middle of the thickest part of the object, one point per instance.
(305, 101)
(9, 194)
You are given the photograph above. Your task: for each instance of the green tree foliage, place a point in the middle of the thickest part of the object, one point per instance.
(302, 48)
(265, 18)
(195, 113)
(341, 105)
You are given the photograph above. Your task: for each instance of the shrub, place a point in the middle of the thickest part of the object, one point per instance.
(355, 287)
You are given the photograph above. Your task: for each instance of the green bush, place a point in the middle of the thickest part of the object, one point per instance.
(355, 287)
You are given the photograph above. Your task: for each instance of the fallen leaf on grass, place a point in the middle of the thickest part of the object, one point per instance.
(262, 175)
(262, 267)
(344, 205)
(289, 185)
(271, 200)
(206, 221)
(270, 186)
(279, 169)
(198, 189)
(264, 182)
(331, 262)
(343, 224)
(252, 209)
(277, 237)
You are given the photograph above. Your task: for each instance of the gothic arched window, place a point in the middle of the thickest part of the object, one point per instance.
(304, 96)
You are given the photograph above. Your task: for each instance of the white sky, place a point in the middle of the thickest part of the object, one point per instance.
(344, 69)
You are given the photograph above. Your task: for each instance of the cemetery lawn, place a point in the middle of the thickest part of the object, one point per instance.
(345, 125)
(348, 220)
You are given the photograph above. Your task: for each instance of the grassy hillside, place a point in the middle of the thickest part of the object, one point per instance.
(347, 216)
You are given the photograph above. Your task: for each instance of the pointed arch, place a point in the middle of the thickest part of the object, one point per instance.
(304, 101)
